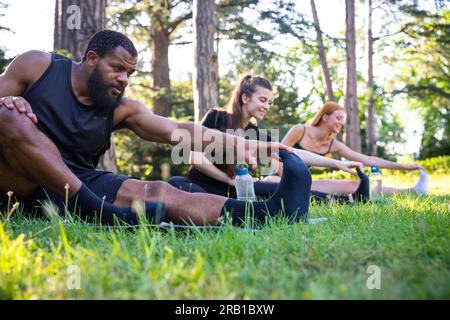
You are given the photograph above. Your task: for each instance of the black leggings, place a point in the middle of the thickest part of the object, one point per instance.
(262, 189)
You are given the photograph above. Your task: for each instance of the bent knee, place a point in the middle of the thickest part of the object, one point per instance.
(15, 126)
(304, 172)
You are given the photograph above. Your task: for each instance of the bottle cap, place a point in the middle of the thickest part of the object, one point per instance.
(241, 169)
(375, 169)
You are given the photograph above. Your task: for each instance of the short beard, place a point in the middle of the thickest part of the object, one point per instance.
(98, 90)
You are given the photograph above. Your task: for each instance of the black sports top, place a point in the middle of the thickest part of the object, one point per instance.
(81, 133)
(218, 119)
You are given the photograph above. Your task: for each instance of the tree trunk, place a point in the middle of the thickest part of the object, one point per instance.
(371, 137)
(159, 44)
(322, 54)
(75, 22)
(205, 75)
(353, 133)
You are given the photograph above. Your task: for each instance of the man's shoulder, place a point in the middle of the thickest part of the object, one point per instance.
(31, 65)
(35, 59)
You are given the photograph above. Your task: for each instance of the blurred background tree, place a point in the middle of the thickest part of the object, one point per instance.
(401, 53)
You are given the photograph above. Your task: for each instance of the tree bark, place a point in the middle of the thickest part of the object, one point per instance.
(205, 75)
(322, 53)
(371, 138)
(75, 22)
(159, 44)
(353, 133)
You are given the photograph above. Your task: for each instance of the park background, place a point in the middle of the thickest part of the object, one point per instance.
(399, 106)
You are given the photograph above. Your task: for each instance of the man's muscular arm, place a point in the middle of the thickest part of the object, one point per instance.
(23, 71)
(137, 117)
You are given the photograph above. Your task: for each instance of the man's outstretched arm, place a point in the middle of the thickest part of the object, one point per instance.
(137, 117)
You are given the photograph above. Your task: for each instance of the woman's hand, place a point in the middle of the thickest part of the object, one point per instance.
(348, 165)
(231, 182)
(414, 166)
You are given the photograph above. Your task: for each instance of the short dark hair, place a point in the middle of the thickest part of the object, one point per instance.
(105, 41)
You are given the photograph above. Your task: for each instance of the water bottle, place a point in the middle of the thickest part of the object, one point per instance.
(245, 190)
(376, 183)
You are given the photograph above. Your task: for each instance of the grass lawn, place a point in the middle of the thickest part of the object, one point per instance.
(406, 237)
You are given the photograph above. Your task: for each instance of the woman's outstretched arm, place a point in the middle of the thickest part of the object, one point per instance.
(349, 154)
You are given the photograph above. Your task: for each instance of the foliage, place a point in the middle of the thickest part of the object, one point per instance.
(439, 164)
(426, 77)
(3, 61)
(143, 159)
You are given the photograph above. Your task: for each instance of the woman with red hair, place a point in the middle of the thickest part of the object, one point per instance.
(320, 137)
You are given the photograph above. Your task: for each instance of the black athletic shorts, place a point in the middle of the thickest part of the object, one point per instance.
(103, 183)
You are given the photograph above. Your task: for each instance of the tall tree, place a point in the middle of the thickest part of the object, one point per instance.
(75, 22)
(322, 53)
(371, 138)
(156, 23)
(205, 74)
(425, 81)
(353, 133)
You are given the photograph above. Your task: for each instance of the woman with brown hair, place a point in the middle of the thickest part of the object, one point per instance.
(319, 137)
(249, 102)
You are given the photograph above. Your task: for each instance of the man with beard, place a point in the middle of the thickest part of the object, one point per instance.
(56, 119)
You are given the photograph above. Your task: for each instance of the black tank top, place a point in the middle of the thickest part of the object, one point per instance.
(217, 119)
(81, 133)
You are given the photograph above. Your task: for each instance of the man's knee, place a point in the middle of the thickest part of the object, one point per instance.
(15, 126)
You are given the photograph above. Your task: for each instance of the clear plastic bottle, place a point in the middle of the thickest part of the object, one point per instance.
(245, 190)
(376, 183)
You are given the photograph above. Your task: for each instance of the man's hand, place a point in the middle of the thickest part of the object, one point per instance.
(20, 104)
(348, 165)
(264, 149)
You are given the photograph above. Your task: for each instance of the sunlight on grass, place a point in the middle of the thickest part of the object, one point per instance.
(407, 237)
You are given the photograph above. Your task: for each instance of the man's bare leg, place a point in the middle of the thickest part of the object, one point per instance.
(198, 208)
(291, 197)
(28, 153)
(30, 159)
